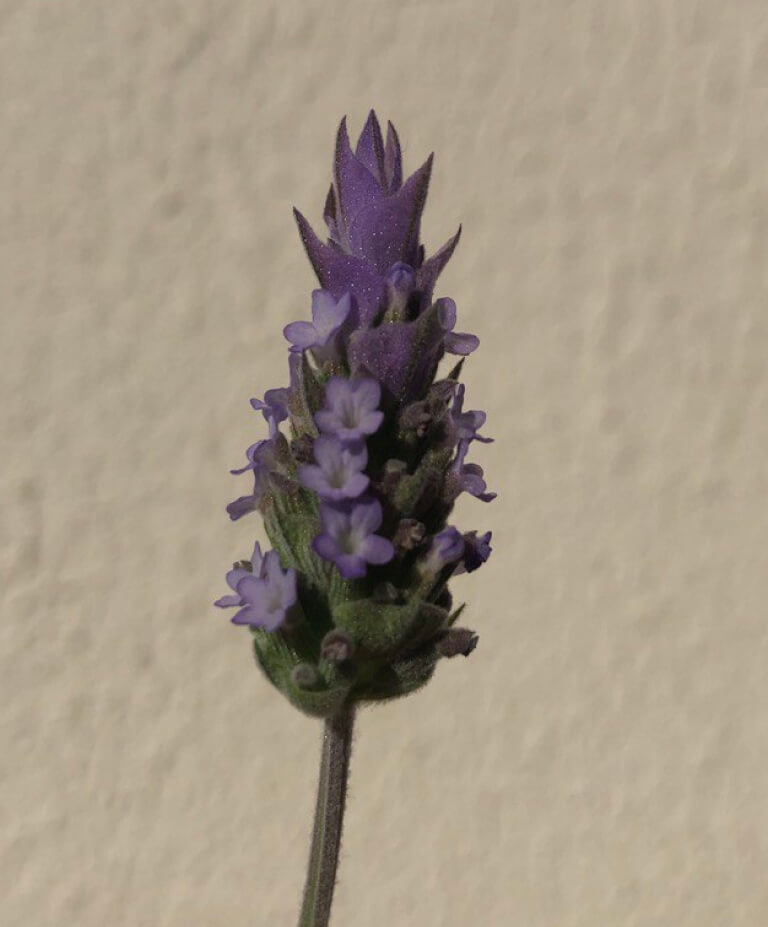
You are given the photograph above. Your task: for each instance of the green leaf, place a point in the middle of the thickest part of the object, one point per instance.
(378, 629)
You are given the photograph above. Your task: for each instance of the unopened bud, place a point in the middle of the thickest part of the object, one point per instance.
(457, 641)
(416, 417)
(337, 646)
(447, 547)
(401, 281)
(408, 534)
(243, 565)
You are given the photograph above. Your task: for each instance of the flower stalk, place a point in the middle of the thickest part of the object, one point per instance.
(329, 819)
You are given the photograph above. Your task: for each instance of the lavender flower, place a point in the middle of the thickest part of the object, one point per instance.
(454, 342)
(348, 538)
(260, 459)
(265, 594)
(466, 477)
(467, 424)
(328, 315)
(447, 547)
(338, 473)
(476, 551)
(364, 474)
(373, 452)
(351, 408)
(274, 408)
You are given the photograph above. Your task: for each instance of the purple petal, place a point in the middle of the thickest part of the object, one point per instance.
(325, 546)
(376, 549)
(351, 566)
(460, 343)
(251, 454)
(334, 519)
(366, 516)
(328, 451)
(242, 506)
(301, 334)
(446, 313)
(234, 576)
(271, 567)
(251, 588)
(228, 601)
(367, 392)
(328, 314)
(313, 478)
(256, 558)
(247, 615)
(337, 389)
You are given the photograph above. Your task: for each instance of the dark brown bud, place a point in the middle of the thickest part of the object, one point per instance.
(243, 565)
(416, 417)
(408, 534)
(304, 676)
(337, 646)
(457, 641)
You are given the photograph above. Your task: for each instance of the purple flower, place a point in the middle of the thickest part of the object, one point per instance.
(446, 547)
(467, 424)
(264, 595)
(348, 538)
(351, 408)
(328, 316)
(274, 408)
(338, 473)
(374, 221)
(454, 342)
(476, 551)
(237, 573)
(260, 459)
(463, 477)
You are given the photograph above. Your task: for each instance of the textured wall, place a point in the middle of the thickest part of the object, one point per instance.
(600, 760)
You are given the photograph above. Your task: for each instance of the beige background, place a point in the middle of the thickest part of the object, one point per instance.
(601, 758)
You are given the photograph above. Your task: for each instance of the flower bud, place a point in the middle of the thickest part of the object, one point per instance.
(401, 282)
(447, 547)
(409, 534)
(337, 646)
(457, 641)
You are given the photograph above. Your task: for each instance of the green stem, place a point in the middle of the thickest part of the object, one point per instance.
(329, 817)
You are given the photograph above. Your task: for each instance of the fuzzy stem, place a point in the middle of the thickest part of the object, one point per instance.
(329, 816)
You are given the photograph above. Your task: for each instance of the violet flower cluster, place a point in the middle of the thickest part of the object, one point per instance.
(366, 454)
